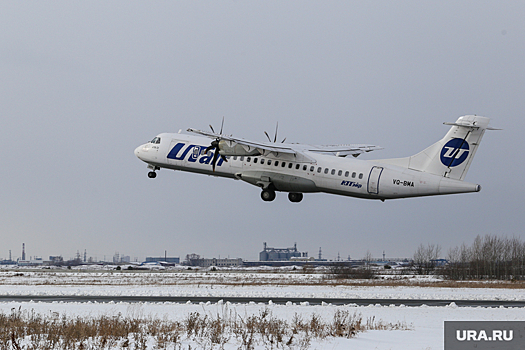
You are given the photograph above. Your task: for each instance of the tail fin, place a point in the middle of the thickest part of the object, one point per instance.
(452, 155)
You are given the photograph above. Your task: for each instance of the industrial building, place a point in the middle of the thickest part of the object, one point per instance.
(280, 254)
(167, 259)
(225, 262)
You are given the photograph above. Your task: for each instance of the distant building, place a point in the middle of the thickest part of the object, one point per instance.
(7, 262)
(36, 261)
(226, 262)
(56, 259)
(280, 254)
(170, 260)
(302, 258)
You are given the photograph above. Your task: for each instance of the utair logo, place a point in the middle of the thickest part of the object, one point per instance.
(454, 152)
(195, 152)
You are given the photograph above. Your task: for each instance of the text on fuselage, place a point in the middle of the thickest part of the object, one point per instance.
(351, 184)
(398, 182)
(180, 152)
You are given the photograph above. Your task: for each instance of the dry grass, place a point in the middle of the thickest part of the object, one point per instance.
(28, 330)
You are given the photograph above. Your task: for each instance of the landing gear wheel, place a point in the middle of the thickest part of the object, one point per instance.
(152, 174)
(268, 195)
(295, 197)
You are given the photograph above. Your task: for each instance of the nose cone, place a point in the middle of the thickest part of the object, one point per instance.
(138, 151)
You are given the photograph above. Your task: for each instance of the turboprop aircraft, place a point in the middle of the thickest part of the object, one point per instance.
(300, 168)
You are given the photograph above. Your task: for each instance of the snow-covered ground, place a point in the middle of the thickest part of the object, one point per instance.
(425, 323)
(227, 284)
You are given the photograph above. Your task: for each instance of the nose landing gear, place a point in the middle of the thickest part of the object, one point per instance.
(152, 174)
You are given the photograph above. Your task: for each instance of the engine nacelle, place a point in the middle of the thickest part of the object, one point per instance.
(229, 148)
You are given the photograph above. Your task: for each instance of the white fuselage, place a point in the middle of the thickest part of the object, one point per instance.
(325, 173)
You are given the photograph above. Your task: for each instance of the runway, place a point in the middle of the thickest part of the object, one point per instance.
(246, 300)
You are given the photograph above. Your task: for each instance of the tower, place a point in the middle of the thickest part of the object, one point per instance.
(320, 254)
(23, 251)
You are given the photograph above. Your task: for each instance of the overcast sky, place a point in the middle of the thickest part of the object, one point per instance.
(84, 83)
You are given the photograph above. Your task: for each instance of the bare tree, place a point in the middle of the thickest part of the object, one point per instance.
(489, 257)
(192, 259)
(425, 258)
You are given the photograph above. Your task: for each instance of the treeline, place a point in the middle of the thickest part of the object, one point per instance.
(489, 257)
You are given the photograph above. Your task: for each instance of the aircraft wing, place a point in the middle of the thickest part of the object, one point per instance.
(263, 147)
(345, 150)
(297, 150)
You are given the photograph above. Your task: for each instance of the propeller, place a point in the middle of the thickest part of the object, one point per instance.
(215, 145)
(275, 137)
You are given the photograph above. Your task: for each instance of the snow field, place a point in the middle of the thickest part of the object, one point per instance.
(425, 323)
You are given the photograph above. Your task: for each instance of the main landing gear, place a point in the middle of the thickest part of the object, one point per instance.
(269, 195)
(295, 197)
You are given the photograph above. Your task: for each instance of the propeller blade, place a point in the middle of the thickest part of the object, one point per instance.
(214, 144)
(215, 156)
(224, 158)
(276, 127)
(211, 127)
(222, 124)
(283, 140)
(268, 136)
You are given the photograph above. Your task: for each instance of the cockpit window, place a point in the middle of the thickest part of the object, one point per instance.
(156, 140)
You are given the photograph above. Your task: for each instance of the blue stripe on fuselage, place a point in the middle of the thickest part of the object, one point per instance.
(196, 153)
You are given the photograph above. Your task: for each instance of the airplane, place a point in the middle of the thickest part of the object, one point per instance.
(300, 168)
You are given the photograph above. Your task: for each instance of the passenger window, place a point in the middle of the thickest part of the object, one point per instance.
(305, 167)
(248, 159)
(241, 159)
(326, 170)
(353, 174)
(262, 161)
(234, 157)
(312, 168)
(361, 175)
(255, 160)
(347, 173)
(276, 163)
(333, 171)
(319, 170)
(283, 164)
(297, 166)
(290, 166)
(340, 172)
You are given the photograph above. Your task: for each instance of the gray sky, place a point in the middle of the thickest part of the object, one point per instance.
(84, 83)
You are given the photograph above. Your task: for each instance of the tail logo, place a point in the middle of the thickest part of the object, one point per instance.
(454, 152)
